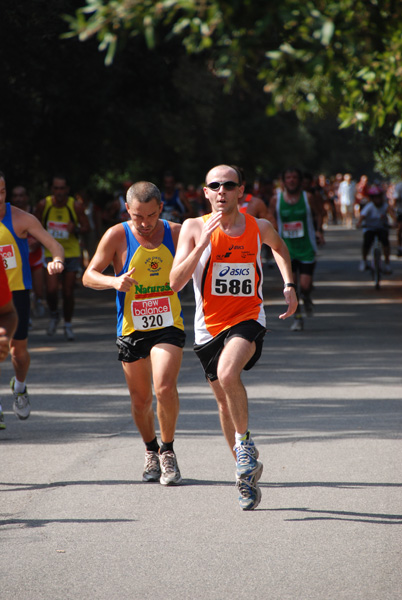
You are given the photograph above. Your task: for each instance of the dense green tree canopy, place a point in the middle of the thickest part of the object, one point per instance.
(64, 110)
(313, 57)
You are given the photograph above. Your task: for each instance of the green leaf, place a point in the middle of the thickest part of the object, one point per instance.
(328, 31)
(398, 129)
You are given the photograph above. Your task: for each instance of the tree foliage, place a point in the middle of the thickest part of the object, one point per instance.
(314, 57)
(388, 160)
(63, 110)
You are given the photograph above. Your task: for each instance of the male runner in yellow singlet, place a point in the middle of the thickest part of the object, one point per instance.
(150, 330)
(64, 218)
(15, 226)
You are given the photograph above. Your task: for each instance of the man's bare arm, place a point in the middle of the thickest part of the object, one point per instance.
(104, 256)
(26, 223)
(193, 239)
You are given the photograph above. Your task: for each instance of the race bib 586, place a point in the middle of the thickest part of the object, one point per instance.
(233, 279)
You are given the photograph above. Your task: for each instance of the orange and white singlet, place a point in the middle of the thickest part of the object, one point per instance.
(228, 282)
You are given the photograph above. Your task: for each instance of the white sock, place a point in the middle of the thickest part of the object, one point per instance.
(240, 437)
(19, 386)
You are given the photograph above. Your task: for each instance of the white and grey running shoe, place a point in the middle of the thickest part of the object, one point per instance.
(170, 469)
(69, 333)
(248, 472)
(297, 324)
(250, 492)
(54, 321)
(246, 458)
(21, 405)
(152, 467)
(39, 308)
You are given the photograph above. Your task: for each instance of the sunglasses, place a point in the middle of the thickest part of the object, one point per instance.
(228, 185)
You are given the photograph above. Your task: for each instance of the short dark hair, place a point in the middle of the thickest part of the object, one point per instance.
(293, 170)
(143, 191)
(59, 175)
(240, 173)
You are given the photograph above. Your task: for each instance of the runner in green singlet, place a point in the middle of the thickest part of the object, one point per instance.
(297, 216)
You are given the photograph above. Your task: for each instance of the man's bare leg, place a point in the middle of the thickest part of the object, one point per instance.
(68, 287)
(166, 361)
(235, 355)
(21, 360)
(233, 358)
(139, 382)
(224, 415)
(163, 367)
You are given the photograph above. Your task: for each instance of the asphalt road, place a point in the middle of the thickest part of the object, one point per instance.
(325, 410)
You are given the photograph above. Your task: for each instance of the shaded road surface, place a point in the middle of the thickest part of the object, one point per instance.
(325, 404)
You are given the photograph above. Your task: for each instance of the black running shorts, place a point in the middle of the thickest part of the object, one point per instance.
(22, 303)
(303, 268)
(210, 352)
(139, 343)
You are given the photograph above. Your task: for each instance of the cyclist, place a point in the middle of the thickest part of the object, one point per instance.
(374, 220)
(398, 209)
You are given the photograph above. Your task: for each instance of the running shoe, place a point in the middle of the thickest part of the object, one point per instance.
(297, 325)
(250, 492)
(170, 469)
(152, 467)
(39, 310)
(246, 458)
(2, 424)
(69, 333)
(21, 405)
(54, 321)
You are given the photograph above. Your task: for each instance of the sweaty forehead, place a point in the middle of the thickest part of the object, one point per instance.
(144, 208)
(222, 174)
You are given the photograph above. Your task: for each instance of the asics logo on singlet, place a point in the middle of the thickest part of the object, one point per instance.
(228, 270)
(236, 248)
